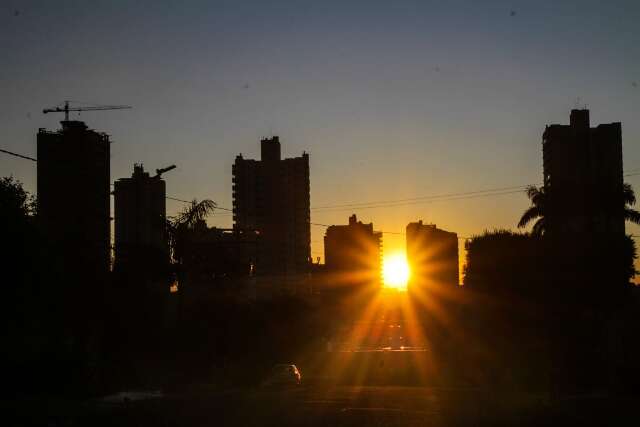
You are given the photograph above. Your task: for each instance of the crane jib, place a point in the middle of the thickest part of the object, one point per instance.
(67, 108)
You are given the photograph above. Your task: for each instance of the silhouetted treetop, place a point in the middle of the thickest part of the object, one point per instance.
(180, 228)
(195, 212)
(537, 211)
(14, 200)
(609, 205)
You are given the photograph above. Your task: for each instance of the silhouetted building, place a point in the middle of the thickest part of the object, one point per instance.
(212, 255)
(583, 176)
(73, 195)
(271, 196)
(432, 255)
(353, 253)
(140, 221)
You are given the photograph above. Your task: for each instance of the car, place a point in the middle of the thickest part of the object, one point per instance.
(282, 375)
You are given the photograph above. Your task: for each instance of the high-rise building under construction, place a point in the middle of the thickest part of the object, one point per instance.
(73, 195)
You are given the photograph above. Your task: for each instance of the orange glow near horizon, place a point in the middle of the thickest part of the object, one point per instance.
(396, 272)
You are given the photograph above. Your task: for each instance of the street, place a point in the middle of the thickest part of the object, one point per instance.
(320, 405)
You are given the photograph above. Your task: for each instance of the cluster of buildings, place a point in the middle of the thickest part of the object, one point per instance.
(270, 240)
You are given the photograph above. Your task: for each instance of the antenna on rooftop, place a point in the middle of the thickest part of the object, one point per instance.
(578, 105)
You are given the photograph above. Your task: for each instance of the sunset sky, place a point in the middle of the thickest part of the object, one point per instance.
(392, 100)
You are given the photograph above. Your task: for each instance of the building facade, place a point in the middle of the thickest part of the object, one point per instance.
(433, 256)
(214, 256)
(140, 220)
(583, 176)
(353, 253)
(272, 197)
(73, 195)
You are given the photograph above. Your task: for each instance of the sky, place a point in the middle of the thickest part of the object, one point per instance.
(392, 100)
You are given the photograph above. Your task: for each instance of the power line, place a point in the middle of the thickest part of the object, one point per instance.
(18, 155)
(187, 201)
(35, 160)
(418, 202)
(176, 199)
(430, 197)
(434, 198)
(497, 191)
(320, 225)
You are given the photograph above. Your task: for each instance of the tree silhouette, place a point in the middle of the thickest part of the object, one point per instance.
(181, 227)
(539, 202)
(629, 198)
(16, 202)
(194, 213)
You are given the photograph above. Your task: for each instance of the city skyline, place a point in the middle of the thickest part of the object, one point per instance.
(412, 106)
(320, 213)
(384, 204)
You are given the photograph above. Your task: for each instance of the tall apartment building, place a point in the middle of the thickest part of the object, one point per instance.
(432, 254)
(73, 195)
(271, 196)
(583, 176)
(353, 252)
(140, 219)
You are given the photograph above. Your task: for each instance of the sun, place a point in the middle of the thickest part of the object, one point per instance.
(395, 272)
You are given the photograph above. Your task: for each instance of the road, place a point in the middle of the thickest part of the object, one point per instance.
(328, 406)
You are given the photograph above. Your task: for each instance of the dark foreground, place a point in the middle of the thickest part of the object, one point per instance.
(328, 406)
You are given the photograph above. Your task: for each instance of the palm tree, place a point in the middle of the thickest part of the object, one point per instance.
(539, 202)
(181, 227)
(629, 198)
(195, 212)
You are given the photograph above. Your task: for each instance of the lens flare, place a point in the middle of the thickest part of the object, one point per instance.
(395, 272)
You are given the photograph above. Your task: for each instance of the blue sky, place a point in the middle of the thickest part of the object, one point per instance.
(391, 99)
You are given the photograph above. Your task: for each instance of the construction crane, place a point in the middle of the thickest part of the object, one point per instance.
(65, 109)
(159, 172)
